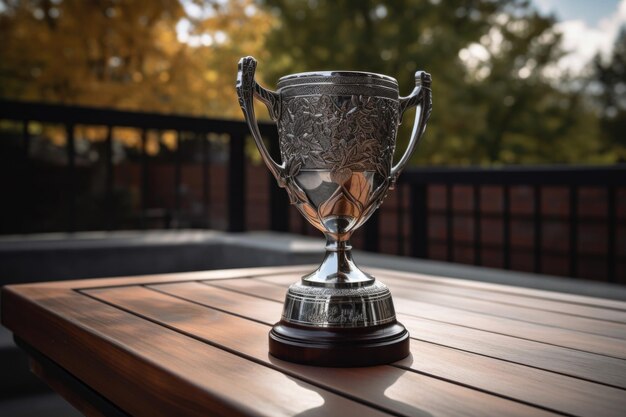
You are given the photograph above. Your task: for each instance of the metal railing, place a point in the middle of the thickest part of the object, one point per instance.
(415, 181)
(72, 116)
(609, 178)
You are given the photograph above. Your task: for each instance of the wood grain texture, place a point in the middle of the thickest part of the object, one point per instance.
(489, 303)
(540, 304)
(437, 328)
(571, 300)
(196, 344)
(243, 273)
(547, 389)
(502, 306)
(406, 393)
(449, 312)
(149, 370)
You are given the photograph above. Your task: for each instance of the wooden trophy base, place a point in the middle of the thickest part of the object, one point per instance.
(345, 347)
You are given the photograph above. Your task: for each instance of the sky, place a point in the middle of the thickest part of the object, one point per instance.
(588, 27)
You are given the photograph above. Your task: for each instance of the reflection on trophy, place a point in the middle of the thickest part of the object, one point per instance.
(337, 133)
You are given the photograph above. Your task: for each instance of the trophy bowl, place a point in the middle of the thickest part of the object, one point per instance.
(337, 133)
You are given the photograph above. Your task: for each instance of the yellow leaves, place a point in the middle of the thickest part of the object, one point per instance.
(57, 136)
(168, 139)
(91, 133)
(128, 55)
(129, 137)
(211, 76)
(152, 144)
(166, 38)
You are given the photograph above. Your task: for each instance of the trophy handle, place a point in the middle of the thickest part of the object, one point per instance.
(422, 98)
(247, 89)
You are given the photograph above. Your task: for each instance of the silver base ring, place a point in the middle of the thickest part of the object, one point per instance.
(364, 306)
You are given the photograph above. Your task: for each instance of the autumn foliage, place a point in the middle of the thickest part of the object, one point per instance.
(498, 93)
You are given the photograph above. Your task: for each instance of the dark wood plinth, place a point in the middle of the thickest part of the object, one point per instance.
(376, 345)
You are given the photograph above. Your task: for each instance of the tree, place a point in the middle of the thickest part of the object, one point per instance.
(493, 100)
(162, 56)
(496, 96)
(611, 77)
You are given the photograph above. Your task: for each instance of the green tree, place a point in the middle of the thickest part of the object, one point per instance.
(611, 77)
(494, 101)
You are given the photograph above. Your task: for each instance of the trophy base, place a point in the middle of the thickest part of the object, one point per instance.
(339, 316)
(351, 326)
(339, 347)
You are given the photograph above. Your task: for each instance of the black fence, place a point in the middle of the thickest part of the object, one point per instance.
(72, 116)
(609, 178)
(412, 227)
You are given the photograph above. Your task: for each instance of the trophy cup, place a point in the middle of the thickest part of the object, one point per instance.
(337, 133)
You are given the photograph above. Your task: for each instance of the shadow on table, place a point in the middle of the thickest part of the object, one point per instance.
(378, 380)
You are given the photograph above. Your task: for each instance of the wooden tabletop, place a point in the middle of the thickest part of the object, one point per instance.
(196, 344)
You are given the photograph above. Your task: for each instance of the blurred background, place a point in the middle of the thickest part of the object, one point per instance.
(118, 115)
(119, 120)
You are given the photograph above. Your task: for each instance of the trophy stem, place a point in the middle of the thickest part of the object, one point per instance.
(338, 270)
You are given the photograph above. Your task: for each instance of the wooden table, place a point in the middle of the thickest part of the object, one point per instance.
(196, 344)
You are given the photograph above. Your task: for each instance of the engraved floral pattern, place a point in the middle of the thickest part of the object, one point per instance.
(340, 133)
(346, 131)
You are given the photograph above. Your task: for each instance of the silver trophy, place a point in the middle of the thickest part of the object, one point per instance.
(337, 132)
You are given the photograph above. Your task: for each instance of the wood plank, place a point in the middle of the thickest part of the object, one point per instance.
(598, 313)
(406, 393)
(147, 369)
(500, 308)
(550, 390)
(579, 364)
(505, 289)
(243, 273)
(557, 392)
(244, 304)
(554, 301)
(575, 363)
(532, 331)
(585, 342)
